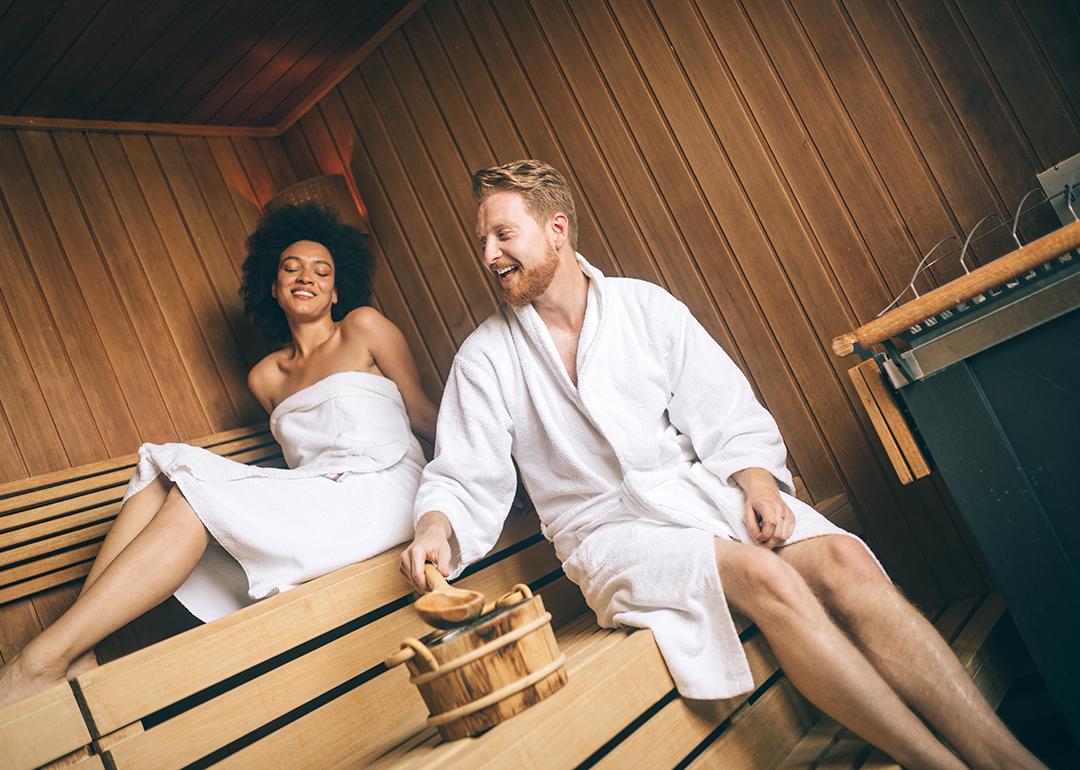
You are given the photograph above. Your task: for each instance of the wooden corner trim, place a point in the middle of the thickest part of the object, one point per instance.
(25, 122)
(350, 64)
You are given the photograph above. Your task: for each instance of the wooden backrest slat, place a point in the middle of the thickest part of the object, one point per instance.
(43, 566)
(190, 735)
(61, 508)
(57, 526)
(112, 476)
(41, 728)
(53, 544)
(43, 582)
(72, 475)
(119, 693)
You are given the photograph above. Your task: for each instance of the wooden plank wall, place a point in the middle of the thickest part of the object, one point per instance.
(120, 319)
(779, 166)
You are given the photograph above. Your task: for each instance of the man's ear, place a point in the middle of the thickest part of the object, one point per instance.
(273, 290)
(560, 226)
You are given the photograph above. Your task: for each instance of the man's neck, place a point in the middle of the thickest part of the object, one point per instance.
(563, 305)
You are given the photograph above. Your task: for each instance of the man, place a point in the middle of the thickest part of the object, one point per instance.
(661, 482)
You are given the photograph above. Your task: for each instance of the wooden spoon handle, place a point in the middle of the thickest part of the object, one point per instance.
(435, 580)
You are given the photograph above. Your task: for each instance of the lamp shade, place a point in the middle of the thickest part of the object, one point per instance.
(331, 190)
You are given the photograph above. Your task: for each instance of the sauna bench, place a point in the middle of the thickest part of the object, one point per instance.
(297, 680)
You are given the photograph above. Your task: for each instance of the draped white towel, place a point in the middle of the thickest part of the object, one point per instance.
(354, 466)
(630, 470)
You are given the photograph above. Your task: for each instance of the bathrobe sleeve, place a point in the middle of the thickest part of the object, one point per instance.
(471, 478)
(713, 404)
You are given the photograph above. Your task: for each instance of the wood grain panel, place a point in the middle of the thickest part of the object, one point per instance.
(154, 62)
(59, 34)
(224, 61)
(71, 67)
(201, 58)
(151, 21)
(312, 133)
(779, 167)
(140, 394)
(125, 325)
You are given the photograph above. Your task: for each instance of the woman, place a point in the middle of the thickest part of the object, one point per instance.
(342, 395)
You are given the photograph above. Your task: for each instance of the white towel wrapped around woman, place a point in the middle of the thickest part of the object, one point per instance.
(354, 466)
(630, 470)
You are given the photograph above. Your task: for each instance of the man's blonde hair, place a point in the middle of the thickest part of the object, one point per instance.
(544, 189)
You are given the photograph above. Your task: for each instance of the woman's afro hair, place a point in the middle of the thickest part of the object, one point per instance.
(279, 229)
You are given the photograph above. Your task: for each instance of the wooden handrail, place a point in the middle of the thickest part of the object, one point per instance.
(964, 288)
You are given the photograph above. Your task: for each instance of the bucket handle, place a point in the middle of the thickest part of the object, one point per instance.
(411, 648)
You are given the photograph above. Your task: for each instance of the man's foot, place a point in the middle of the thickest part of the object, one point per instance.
(85, 662)
(19, 680)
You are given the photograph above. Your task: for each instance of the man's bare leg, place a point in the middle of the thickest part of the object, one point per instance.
(905, 649)
(134, 515)
(819, 659)
(151, 568)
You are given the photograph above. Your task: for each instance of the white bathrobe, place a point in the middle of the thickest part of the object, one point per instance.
(630, 470)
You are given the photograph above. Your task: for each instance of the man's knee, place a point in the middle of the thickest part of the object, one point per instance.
(847, 570)
(768, 586)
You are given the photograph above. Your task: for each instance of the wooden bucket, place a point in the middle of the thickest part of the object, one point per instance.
(474, 677)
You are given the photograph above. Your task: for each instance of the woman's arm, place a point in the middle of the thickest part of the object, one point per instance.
(394, 359)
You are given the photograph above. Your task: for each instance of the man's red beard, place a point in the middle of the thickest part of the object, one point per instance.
(531, 283)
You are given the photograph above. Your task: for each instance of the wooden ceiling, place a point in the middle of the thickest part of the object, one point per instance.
(257, 63)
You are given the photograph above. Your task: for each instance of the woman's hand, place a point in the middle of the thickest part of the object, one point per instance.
(431, 544)
(767, 517)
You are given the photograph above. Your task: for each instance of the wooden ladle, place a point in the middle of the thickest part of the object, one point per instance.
(446, 606)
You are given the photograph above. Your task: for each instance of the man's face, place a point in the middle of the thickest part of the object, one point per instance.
(517, 250)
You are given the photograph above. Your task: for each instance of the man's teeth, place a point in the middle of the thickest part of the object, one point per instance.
(303, 294)
(505, 270)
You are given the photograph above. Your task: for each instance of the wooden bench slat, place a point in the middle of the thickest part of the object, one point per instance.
(209, 726)
(599, 700)
(374, 717)
(582, 642)
(41, 728)
(666, 739)
(82, 760)
(763, 733)
(147, 680)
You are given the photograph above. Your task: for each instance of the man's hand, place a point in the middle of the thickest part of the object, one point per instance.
(431, 544)
(767, 517)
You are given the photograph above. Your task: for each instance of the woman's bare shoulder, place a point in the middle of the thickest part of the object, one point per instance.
(265, 378)
(365, 319)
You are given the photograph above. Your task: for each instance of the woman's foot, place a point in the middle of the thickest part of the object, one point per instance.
(20, 679)
(85, 662)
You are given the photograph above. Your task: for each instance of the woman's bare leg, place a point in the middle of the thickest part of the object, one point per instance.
(136, 512)
(134, 515)
(145, 573)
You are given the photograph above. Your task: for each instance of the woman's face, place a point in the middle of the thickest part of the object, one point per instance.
(304, 287)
